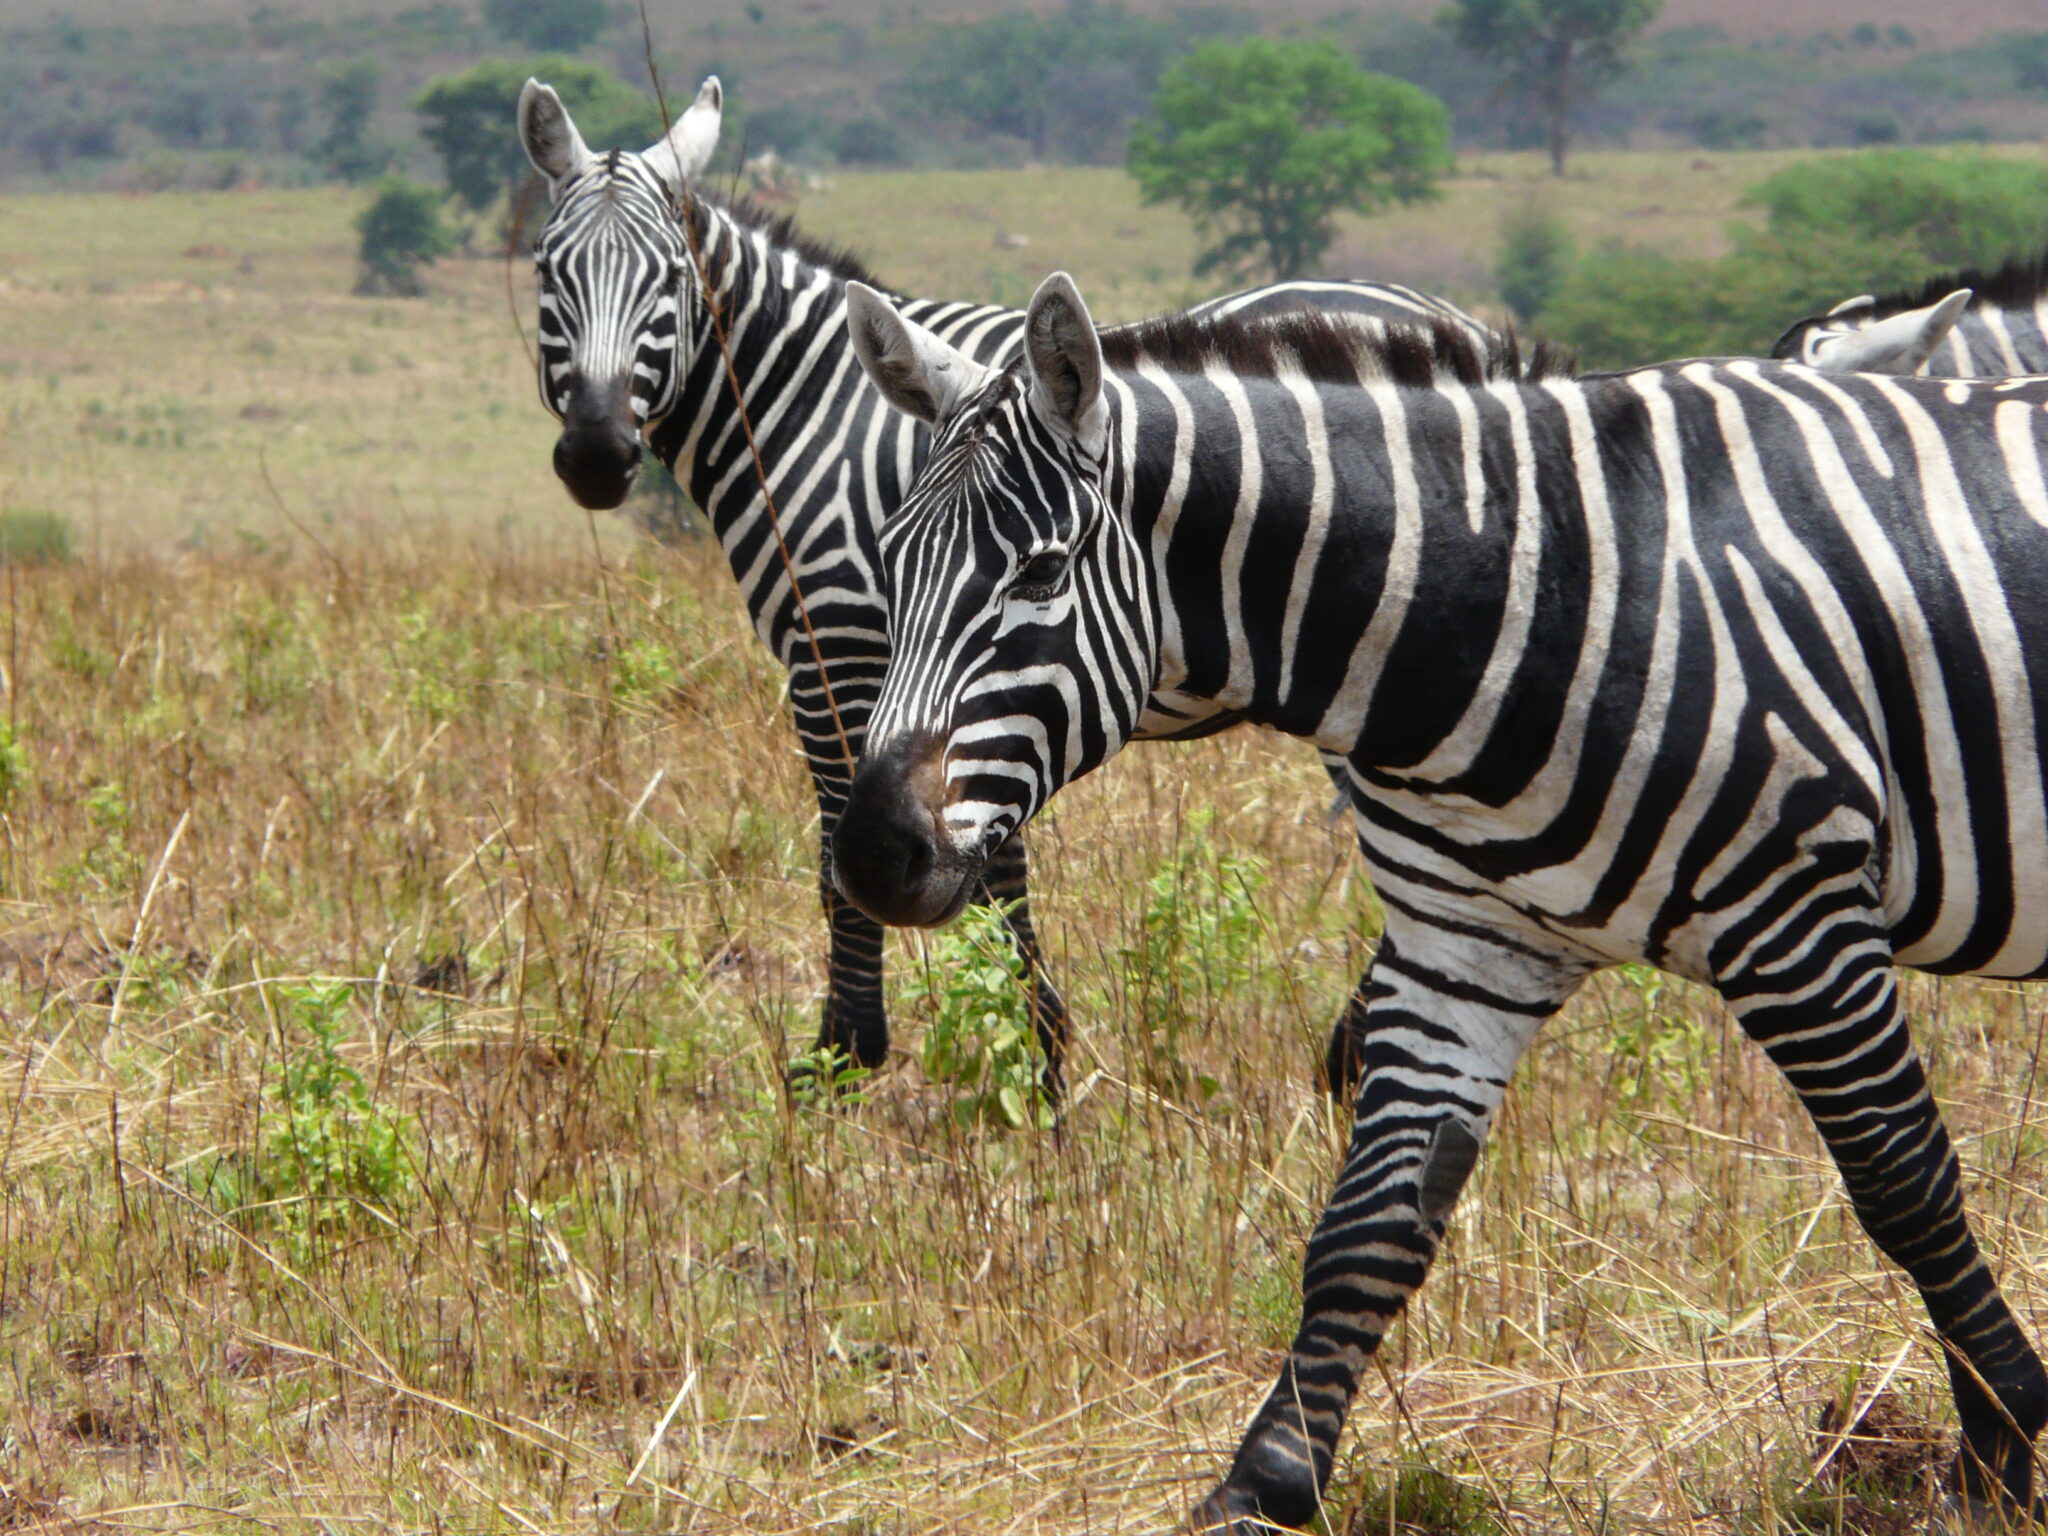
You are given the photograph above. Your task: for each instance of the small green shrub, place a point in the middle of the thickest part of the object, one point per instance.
(1535, 251)
(14, 767)
(34, 537)
(979, 1039)
(330, 1146)
(402, 231)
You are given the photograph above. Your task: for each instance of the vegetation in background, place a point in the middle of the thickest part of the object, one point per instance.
(547, 26)
(1556, 54)
(1265, 143)
(1535, 252)
(402, 231)
(33, 536)
(1866, 223)
(469, 117)
(348, 100)
(1068, 82)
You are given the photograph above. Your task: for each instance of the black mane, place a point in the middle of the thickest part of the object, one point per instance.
(2018, 284)
(780, 229)
(1331, 349)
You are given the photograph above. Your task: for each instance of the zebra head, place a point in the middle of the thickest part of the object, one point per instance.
(1023, 634)
(1850, 338)
(611, 262)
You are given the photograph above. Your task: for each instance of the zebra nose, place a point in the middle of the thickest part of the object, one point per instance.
(887, 857)
(597, 463)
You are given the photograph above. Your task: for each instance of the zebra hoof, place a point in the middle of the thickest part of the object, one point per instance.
(1961, 1513)
(1229, 1512)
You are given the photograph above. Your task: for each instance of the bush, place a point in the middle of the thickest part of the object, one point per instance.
(979, 1041)
(1866, 223)
(470, 119)
(34, 537)
(402, 231)
(1535, 250)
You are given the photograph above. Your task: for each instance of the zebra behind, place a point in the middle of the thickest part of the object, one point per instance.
(1968, 325)
(1738, 668)
(629, 353)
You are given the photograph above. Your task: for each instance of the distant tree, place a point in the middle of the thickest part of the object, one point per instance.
(557, 26)
(1556, 53)
(470, 119)
(348, 100)
(1068, 80)
(1264, 143)
(402, 231)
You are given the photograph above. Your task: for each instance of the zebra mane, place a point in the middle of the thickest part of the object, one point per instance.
(1327, 349)
(780, 230)
(2020, 283)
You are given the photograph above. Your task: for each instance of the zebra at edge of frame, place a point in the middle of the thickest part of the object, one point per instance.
(1966, 325)
(629, 354)
(1736, 667)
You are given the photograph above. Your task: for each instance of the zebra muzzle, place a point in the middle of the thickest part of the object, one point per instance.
(598, 454)
(890, 856)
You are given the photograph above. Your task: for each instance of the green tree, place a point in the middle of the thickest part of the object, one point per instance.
(559, 26)
(1535, 252)
(469, 119)
(1068, 80)
(1556, 53)
(1264, 143)
(348, 100)
(402, 231)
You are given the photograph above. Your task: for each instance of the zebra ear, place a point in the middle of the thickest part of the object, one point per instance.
(1065, 358)
(552, 143)
(690, 144)
(1898, 344)
(915, 371)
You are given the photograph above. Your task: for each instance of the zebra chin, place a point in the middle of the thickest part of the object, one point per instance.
(889, 855)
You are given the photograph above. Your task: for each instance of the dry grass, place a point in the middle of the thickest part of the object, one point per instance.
(509, 818)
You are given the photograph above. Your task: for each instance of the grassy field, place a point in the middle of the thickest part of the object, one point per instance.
(408, 913)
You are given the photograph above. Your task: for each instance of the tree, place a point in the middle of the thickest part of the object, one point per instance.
(1068, 80)
(1557, 53)
(557, 26)
(402, 231)
(470, 119)
(1263, 143)
(348, 99)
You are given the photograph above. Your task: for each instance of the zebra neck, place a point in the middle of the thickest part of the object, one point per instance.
(755, 400)
(1358, 565)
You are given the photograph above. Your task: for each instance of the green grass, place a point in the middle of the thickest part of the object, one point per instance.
(407, 910)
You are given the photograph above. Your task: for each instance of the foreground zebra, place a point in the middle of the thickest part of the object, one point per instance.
(1735, 667)
(628, 349)
(1968, 325)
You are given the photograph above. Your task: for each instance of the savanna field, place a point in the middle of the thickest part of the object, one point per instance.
(409, 917)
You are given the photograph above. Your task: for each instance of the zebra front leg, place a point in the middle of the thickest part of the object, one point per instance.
(1006, 882)
(1822, 1000)
(1447, 1018)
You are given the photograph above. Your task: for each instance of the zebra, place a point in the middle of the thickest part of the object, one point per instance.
(630, 352)
(1734, 667)
(1968, 325)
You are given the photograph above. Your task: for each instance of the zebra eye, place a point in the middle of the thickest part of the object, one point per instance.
(1042, 570)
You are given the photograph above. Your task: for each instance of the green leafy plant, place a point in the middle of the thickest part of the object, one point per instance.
(1661, 1040)
(330, 1147)
(31, 536)
(979, 1037)
(1200, 938)
(1265, 143)
(469, 119)
(1535, 253)
(826, 1076)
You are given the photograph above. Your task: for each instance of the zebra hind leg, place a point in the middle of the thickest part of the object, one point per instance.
(1448, 1016)
(1823, 1003)
(1005, 882)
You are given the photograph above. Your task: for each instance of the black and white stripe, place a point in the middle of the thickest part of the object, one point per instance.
(1966, 325)
(628, 348)
(1737, 667)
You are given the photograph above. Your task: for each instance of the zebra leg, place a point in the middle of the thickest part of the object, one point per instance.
(1447, 1016)
(1005, 883)
(1344, 1058)
(1822, 999)
(855, 1022)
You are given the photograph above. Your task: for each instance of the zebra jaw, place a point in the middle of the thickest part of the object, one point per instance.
(891, 856)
